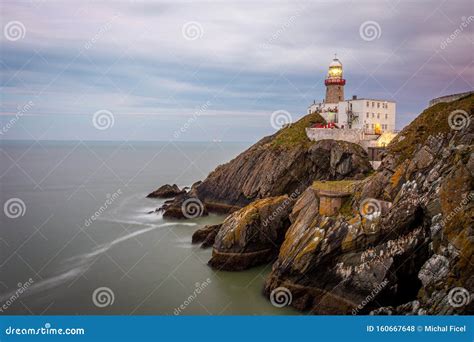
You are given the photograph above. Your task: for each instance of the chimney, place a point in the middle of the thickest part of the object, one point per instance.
(354, 97)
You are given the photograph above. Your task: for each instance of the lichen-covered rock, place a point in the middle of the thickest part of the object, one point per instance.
(414, 257)
(252, 235)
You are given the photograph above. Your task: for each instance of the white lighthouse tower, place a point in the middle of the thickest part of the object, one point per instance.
(334, 82)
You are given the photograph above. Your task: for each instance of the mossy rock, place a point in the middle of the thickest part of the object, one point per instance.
(433, 121)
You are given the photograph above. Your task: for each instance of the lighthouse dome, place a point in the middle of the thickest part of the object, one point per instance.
(335, 63)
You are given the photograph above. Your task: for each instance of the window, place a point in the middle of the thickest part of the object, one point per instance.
(366, 125)
(378, 104)
(373, 115)
(373, 104)
(368, 104)
(378, 115)
(367, 114)
(372, 125)
(386, 116)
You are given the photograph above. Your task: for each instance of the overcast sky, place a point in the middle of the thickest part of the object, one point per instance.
(209, 70)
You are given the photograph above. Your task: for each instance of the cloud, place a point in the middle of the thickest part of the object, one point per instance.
(131, 57)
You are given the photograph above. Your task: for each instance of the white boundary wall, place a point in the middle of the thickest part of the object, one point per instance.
(351, 135)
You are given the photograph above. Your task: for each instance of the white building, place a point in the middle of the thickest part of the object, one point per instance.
(374, 116)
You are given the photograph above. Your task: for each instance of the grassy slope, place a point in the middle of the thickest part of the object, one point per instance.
(296, 134)
(432, 121)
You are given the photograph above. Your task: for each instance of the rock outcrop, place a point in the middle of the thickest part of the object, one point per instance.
(206, 235)
(252, 235)
(279, 164)
(166, 191)
(413, 256)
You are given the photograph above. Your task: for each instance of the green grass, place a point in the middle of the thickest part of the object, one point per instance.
(432, 121)
(346, 185)
(295, 134)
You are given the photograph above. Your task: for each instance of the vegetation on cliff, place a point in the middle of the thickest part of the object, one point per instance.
(431, 122)
(295, 133)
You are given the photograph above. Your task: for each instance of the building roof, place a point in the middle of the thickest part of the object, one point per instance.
(368, 99)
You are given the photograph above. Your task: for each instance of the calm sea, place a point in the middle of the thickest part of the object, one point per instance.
(56, 259)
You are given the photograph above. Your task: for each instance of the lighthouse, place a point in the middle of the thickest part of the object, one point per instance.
(334, 82)
(367, 115)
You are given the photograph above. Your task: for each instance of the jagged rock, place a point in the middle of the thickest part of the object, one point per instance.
(184, 206)
(206, 235)
(252, 235)
(265, 170)
(166, 191)
(409, 258)
(435, 269)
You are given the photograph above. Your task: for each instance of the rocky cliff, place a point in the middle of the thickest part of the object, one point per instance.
(279, 164)
(404, 243)
(396, 241)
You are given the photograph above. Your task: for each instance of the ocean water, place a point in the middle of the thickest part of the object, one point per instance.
(56, 259)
